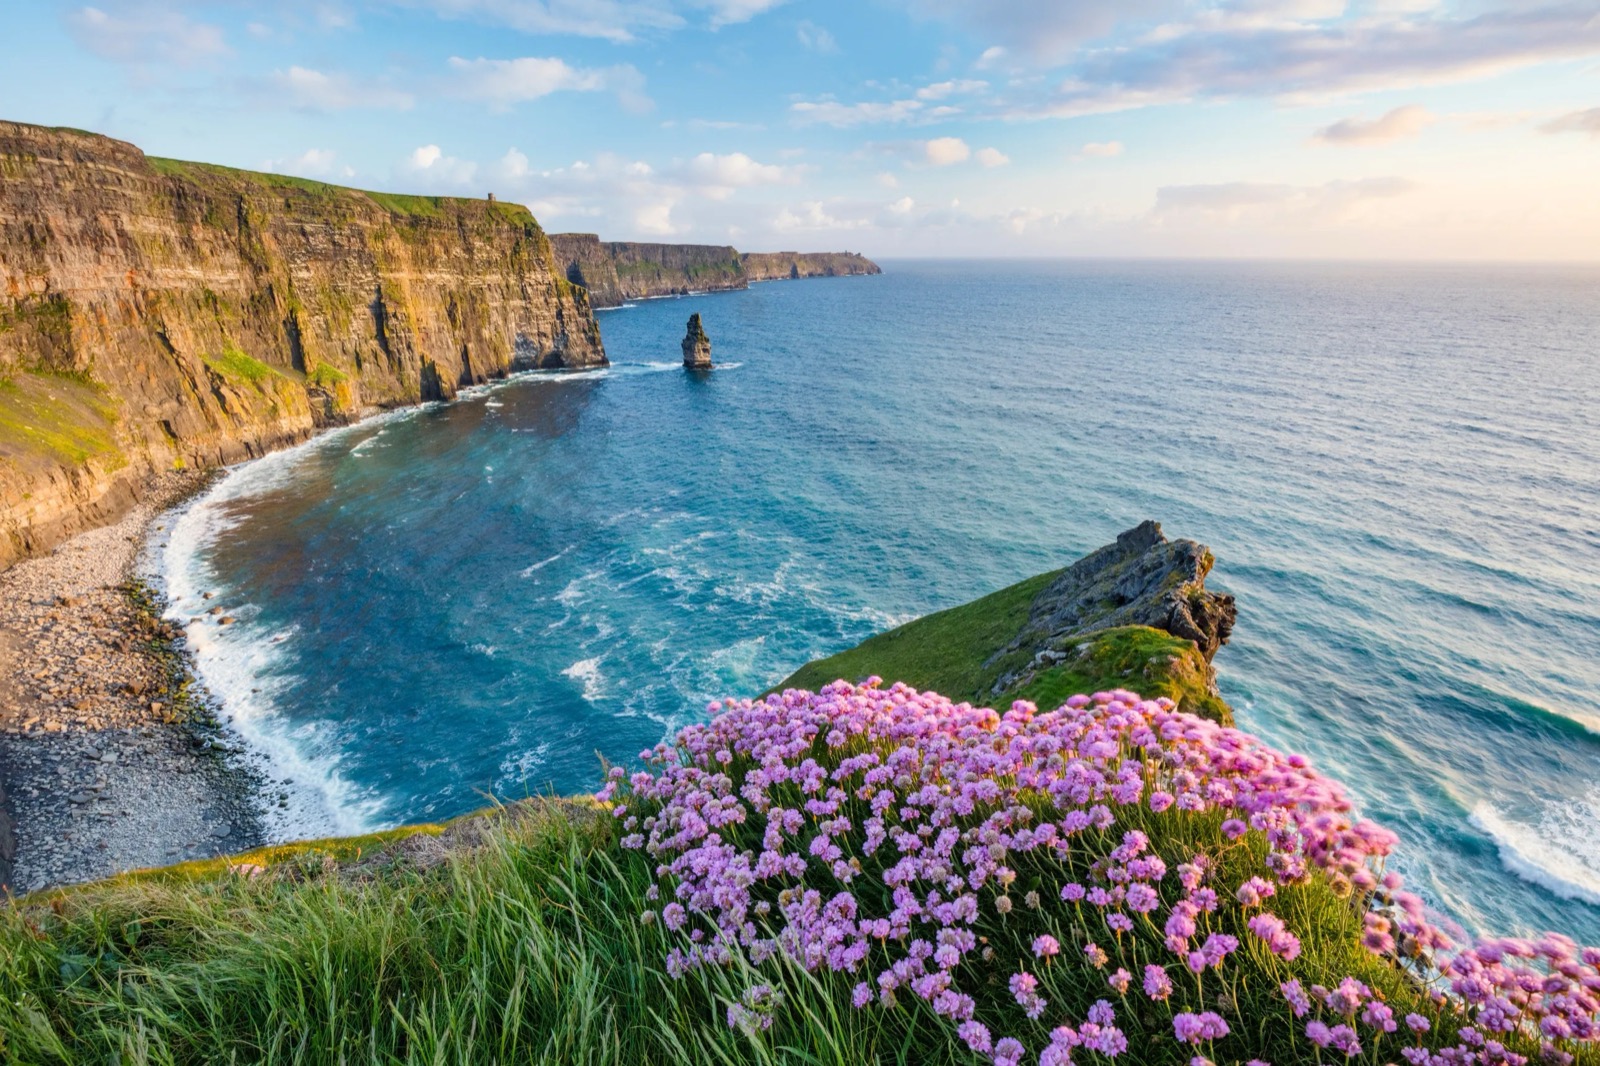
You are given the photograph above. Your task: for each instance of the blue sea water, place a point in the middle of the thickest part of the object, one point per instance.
(1398, 468)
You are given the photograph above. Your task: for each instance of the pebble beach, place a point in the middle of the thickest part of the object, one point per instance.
(109, 758)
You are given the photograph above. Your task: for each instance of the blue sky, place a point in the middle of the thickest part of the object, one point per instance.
(1407, 129)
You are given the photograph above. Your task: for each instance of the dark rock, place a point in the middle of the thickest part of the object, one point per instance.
(696, 346)
(1141, 580)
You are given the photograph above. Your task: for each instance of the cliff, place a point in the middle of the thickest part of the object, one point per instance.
(155, 313)
(780, 266)
(1134, 614)
(615, 272)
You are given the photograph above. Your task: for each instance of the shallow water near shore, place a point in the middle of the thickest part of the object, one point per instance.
(1398, 468)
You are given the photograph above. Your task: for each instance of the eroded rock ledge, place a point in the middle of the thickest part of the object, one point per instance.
(1135, 614)
(1143, 579)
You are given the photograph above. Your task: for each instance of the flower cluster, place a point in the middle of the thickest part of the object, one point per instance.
(889, 834)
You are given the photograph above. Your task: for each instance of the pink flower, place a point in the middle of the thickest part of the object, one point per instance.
(1157, 985)
(1045, 946)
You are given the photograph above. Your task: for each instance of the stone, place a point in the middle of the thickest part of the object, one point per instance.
(696, 346)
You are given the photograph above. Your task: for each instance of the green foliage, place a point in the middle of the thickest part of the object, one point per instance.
(59, 418)
(947, 652)
(236, 364)
(326, 377)
(526, 949)
(1150, 661)
(958, 653)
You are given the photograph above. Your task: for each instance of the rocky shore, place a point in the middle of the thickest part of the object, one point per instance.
(109, 760)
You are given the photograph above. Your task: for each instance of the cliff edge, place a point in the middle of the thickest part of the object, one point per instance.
(156, 313)
(1134, 614)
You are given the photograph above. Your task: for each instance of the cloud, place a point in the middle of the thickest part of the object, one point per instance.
(437, 171)
(946, 151)
(1044, 30)
(1576, 122)
(992, 157)
(731, 12)
(312, 163)
(612, 20)
(1231, 200)
(813, 215)
(815, 38)
(1101, 149)
(315, 90)
(503, 82)
(1395, 125)
(655, 219)
(717, 176)
(833, 113)
(1304, 60)
(147, 36)
(991, 57)
(942, 89)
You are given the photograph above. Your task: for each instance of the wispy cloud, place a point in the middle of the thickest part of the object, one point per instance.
(1101, 149)
(316, 90)
(815, 38)
(1575, 122)
(1235, 198)
(504, 82)
(147, 35)
(1398, 124)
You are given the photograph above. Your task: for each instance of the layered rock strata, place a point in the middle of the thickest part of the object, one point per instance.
(615, 272)
(157, 314)
(696, 346)
(1142, 579)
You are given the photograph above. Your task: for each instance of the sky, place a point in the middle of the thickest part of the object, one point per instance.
(1381, 129)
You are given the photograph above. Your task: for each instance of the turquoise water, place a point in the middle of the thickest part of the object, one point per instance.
(1397, 467)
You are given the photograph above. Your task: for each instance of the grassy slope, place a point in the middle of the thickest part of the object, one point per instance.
(525, 949)
(948, 652)
(59, 418)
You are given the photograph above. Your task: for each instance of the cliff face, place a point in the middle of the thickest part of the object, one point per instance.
(156, 313)
(779, 266)
(615, 272)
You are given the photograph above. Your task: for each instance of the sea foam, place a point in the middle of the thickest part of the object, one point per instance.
(1561, 852)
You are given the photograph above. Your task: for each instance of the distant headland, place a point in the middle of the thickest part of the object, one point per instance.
(615, 272)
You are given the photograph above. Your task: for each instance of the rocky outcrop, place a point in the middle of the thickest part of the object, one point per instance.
(696, 346)
(156, 313)
(1141, 580)
(615, 272)
(782, 266)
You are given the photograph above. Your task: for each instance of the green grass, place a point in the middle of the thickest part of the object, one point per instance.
(234, 363)
(401, 204)
(527, 949)
(953, 653)
(56, 418)
(326, 377)
(946, 651)
(1149, 661)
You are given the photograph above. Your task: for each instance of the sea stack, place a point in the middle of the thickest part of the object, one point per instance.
(696, 346)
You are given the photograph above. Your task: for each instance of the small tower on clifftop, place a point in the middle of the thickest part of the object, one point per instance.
(696, 346)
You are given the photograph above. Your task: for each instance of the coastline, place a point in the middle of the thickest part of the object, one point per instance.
(112, 755)
(110, 758)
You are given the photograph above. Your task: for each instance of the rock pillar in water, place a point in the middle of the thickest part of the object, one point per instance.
(696, 346)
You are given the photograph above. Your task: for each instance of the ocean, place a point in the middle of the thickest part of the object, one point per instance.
(1397, 467)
